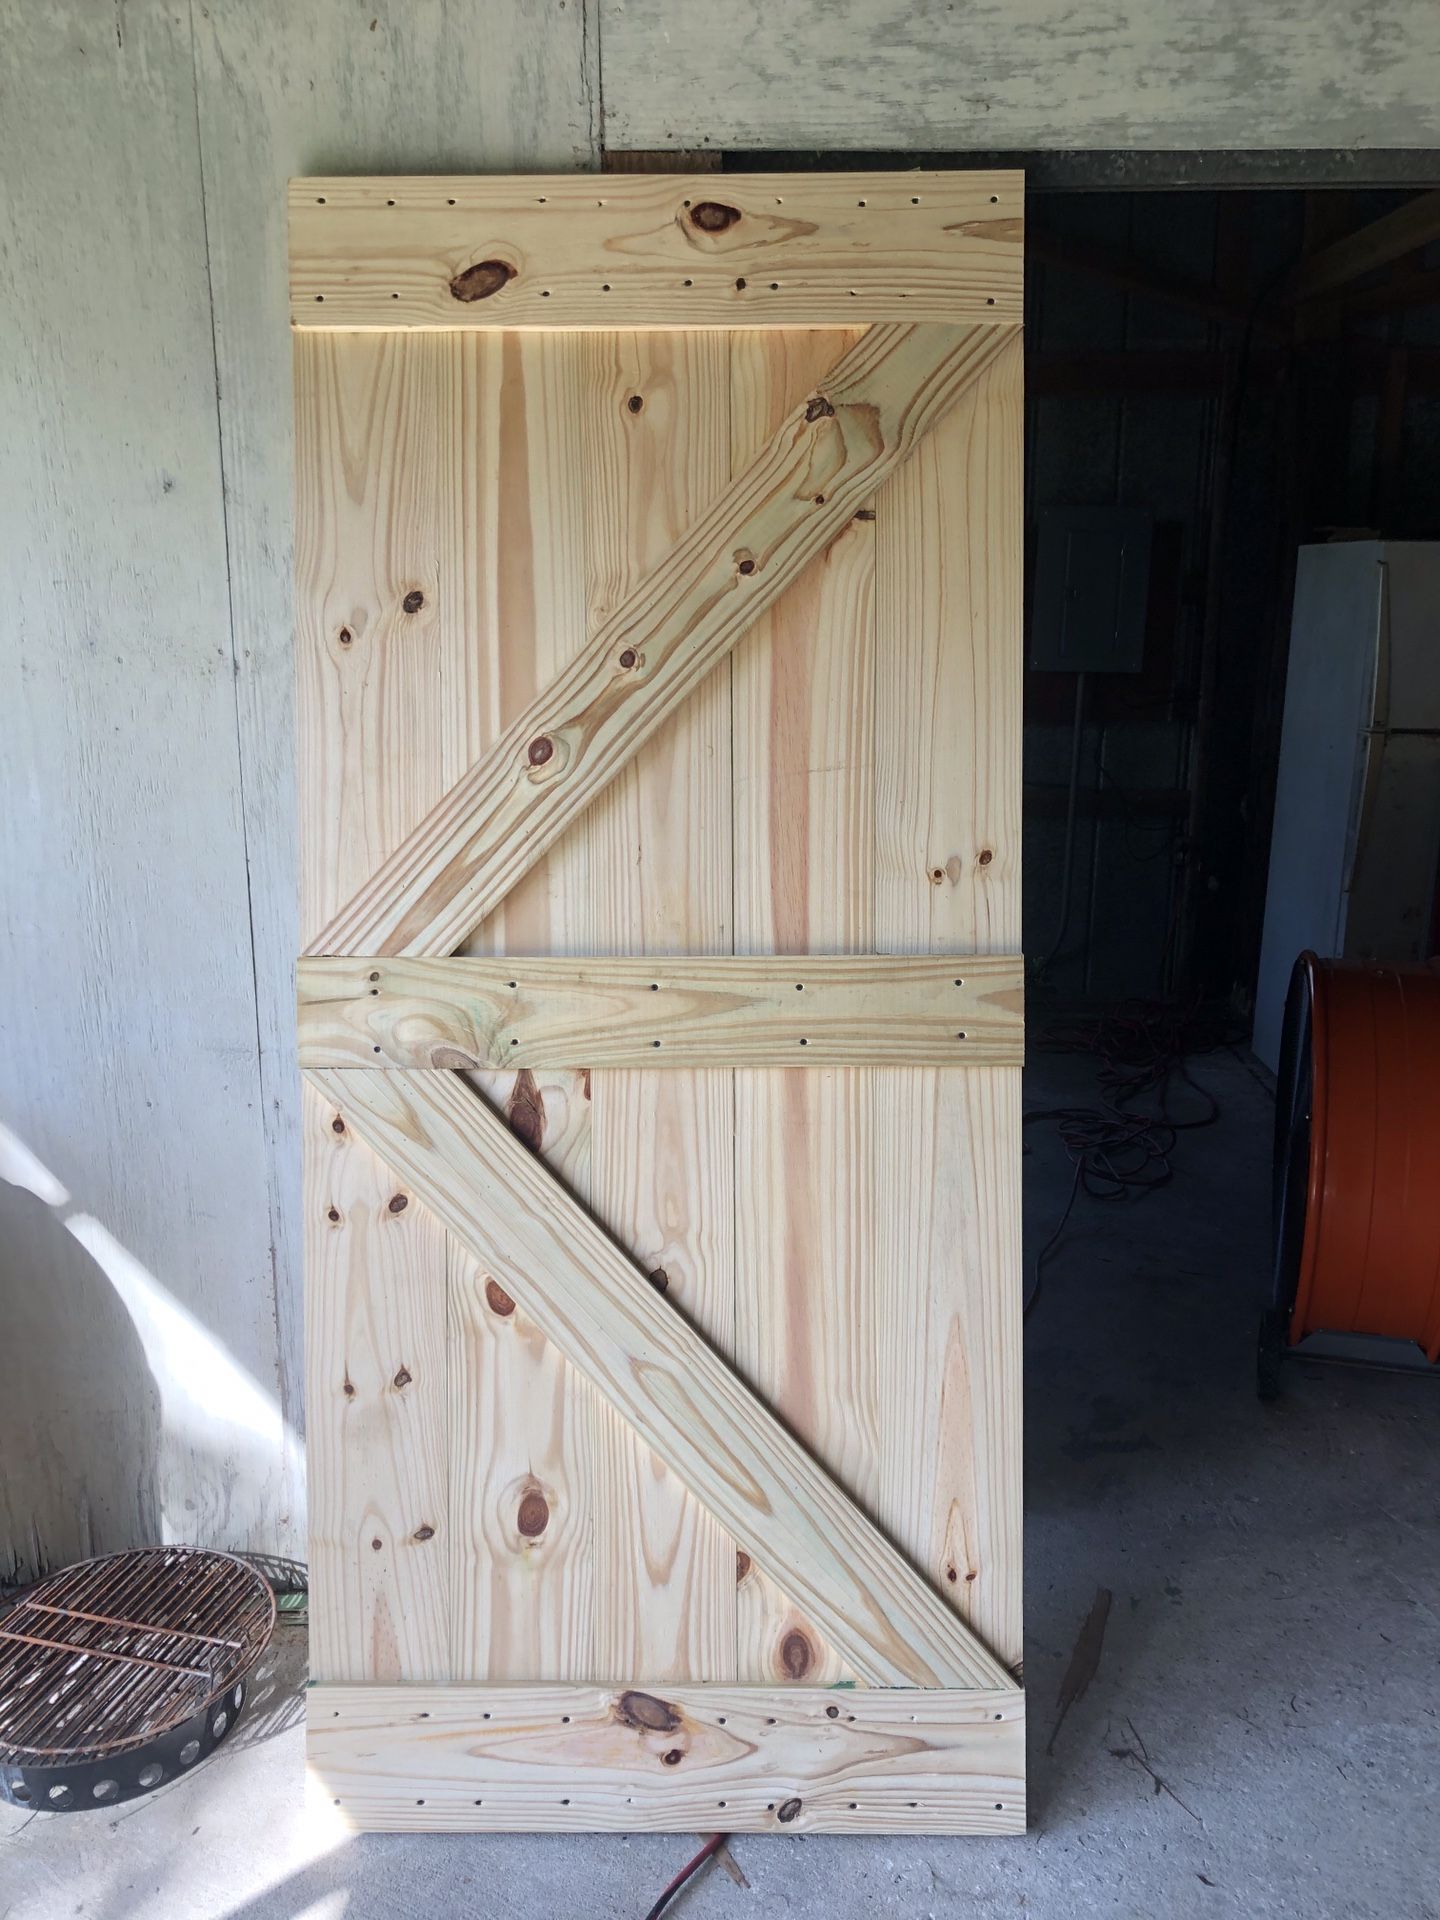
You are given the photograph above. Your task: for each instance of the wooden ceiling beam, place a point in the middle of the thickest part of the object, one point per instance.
(1391, 237)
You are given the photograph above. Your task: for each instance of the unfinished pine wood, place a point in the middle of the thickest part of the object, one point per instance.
(656, 454)
(671, 1012)
(435, 592)
(738, 1759)
(799, 1462)
(676, 1392)
(370, 716)
(377, 1434)
(891, 821)
(785, 507)
(946, 1174)
(658, 250)
(804, 829)
(509, 597)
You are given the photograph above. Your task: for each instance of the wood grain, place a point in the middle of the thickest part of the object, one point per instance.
(946, 1174)
(666, 1013)
(370, 713)
(655, 456)
(698, 1416)
(658, 251)
(804, 831)
(504, 576)
(377, 1433)
(733, 562)
(666, 1758)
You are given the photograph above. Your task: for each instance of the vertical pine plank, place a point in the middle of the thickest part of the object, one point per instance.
(947, 743)
(369, 716)
(804, 843)
(656, 451)
(523, 1424)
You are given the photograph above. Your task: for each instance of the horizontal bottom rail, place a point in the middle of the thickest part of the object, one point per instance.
(568, 1758)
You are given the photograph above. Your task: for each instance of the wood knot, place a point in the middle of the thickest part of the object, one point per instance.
(333, 1216)
(346, 636)
(481, 280)
(789, 1810)
(349, 1388)
(337, 1125)
(986, 856)
(540, 750)
(376, 1544)
(413, 601)
(629, 658)
(525, 1110)
(713, 216)
(832, 1712)
(534, 1514)
(819, 408)
(635, 403)
(673, 1757)
(659, 1279)
(398, 1203)
(423, 1532)
(497, 1299)
(746, 566)
(452, 1057)
(645, 1713)
(797, 1656)
(743, 1563)
(403, 1378)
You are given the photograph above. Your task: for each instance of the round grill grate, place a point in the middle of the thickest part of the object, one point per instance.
(121, 1672)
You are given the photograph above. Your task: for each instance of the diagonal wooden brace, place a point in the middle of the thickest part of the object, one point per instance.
(661, 1376)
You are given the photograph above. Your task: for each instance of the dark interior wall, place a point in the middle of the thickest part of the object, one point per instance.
(1242, 437)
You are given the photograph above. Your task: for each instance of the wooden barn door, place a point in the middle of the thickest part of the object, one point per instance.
(658, 550)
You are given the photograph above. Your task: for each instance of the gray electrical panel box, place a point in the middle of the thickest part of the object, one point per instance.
(1092, 586)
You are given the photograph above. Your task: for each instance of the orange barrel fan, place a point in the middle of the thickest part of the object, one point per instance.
(1357, 1159)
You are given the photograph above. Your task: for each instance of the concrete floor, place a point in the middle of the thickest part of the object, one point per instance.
(1261, 1735)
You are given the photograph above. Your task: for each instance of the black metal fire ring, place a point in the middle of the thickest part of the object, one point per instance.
(97, 1706)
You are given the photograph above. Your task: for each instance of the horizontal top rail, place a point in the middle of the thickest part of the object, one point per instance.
(656, 250)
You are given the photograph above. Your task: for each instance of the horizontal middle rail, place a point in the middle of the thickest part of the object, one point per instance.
(711, 1011)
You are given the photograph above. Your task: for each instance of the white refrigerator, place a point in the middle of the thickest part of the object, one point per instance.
(1355, 847)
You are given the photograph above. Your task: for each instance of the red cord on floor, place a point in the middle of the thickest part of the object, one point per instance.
(711, 1847)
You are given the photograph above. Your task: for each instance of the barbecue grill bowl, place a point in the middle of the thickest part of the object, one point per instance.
(122, 1673)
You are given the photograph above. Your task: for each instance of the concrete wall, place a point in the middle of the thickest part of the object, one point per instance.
(150, 1319)
(149, 1292)
(916, 74)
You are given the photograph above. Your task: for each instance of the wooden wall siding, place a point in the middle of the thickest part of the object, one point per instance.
(876, 75)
